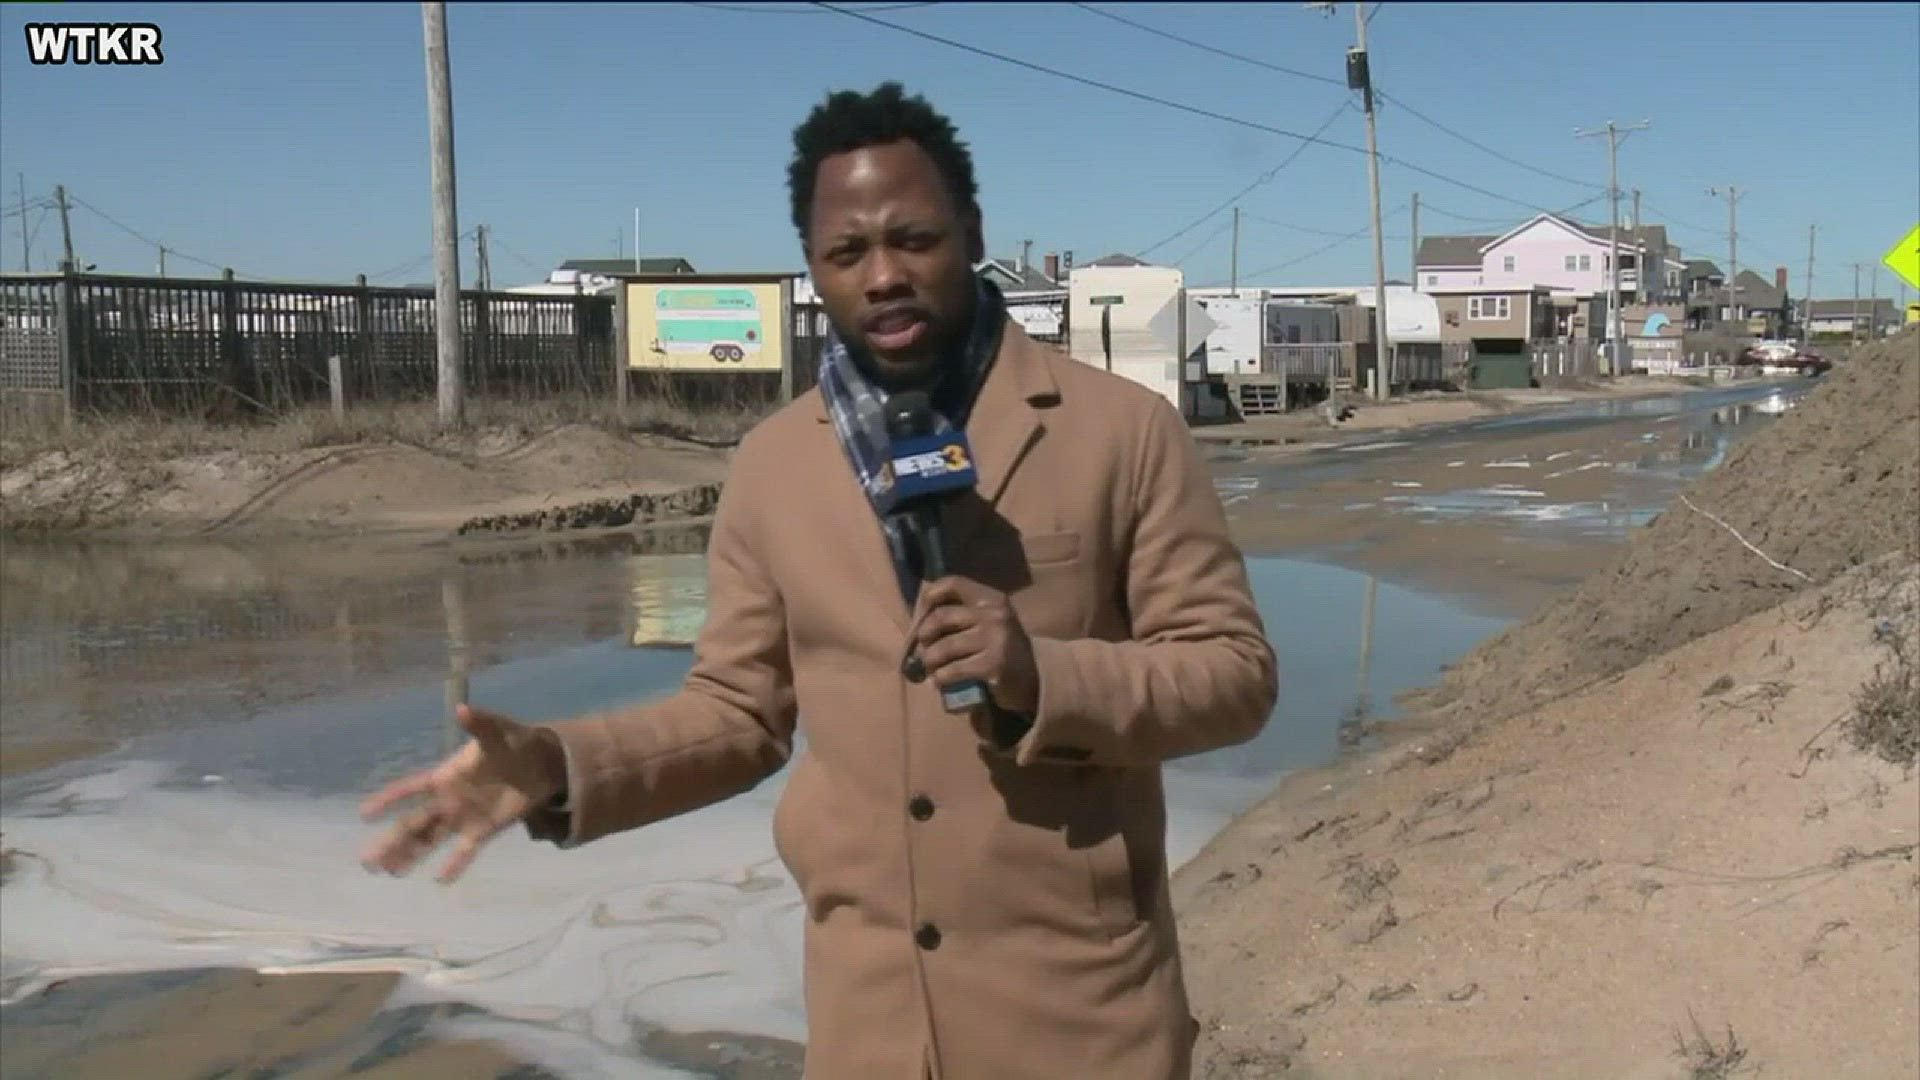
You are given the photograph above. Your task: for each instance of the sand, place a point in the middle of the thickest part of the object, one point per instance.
(1633, 836)
(576, 476)
(1833, 487)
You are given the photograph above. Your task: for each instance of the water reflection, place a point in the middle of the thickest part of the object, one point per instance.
(226, 836)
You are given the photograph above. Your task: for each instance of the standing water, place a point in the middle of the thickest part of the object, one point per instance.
(244, 707)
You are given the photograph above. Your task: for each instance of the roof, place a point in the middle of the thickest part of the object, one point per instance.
(1699, 268)
(1117, 260)
(1755, 292)
(1845, 308)
(1446, 251)
(670, 264)
(1013, 279)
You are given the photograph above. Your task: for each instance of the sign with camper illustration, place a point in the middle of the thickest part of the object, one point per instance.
(706, 326)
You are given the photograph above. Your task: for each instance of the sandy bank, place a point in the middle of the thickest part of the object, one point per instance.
(571, 477)
(1666, 827)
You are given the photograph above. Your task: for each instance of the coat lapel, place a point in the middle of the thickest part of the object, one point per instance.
(1005, 425)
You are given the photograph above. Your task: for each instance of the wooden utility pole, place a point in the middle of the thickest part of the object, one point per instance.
(1806, 324)
(67, 264)
(26, 241)
(1853, 331)
(1413, 266)
(1234, 274)
(483, 271)
(1616, 328)
(1360, 77)
(1733, 249)
(1636, 228)
(163, 260)
(446, 229)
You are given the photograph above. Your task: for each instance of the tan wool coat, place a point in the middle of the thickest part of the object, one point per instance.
(973, 912)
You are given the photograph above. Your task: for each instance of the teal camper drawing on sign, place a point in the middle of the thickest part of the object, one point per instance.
(724, 324)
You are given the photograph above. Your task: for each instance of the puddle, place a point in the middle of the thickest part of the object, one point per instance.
(1772, 397)
(224, 832)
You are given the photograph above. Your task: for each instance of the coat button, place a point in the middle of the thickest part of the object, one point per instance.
(927, 937)
(920, 807)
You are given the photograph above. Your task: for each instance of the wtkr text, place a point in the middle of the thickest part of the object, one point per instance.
(93, 43)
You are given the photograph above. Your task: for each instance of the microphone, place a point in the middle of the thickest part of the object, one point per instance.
(927, 469)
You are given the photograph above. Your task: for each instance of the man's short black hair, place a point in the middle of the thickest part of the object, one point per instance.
(849, 120)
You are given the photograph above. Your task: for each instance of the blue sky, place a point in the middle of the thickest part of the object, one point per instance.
(290, 141)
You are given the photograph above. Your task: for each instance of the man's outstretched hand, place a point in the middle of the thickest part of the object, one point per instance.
(506, 769)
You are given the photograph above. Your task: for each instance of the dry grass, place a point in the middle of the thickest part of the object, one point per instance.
(1706, 1059)
(714, 414)
(1886, 711)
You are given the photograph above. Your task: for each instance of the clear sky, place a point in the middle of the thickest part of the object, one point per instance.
(290, 141)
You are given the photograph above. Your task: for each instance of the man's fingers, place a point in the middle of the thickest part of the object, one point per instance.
(944, 622)
(472, 840)
(488, 728)
(951, 648)
(399, 791)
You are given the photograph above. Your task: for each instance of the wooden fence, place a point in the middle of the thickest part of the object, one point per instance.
(112, 343)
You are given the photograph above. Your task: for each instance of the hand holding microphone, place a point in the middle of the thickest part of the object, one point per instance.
(966, 635)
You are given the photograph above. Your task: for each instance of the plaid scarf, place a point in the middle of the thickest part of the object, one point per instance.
(857, 407)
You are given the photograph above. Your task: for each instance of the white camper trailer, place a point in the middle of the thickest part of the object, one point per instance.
(1137, 321)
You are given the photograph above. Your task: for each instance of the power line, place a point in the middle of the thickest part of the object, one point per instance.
(793, 9)
(1259, 63)
(145, 239)
(1347, 238)
(1306, 228)
(1203, 47)
(1192, 109)
(1204, 244)
(1264, 178)
(1482, 147)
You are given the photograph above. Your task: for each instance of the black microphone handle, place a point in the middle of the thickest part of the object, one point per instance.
(967, 694)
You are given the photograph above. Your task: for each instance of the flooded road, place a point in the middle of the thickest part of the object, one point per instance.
(187, 730)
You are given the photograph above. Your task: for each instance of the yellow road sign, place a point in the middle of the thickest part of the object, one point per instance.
(1904, 259)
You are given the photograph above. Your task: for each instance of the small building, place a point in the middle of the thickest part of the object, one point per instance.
(1866, 317)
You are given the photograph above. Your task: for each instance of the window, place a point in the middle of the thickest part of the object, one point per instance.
(1433, 279)
(1673, 279)
(1507, 264)
(1573, 262)
(1489, 307)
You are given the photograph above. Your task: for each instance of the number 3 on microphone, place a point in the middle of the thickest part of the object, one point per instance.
(956, 458)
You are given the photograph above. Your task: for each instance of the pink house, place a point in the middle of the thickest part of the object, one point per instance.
(1569, 259)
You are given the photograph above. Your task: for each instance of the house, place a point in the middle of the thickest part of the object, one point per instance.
(1495, 319)
(595, 277)
(1036, 295)
(1757, 306)
(1566, 257)
(1869, 317)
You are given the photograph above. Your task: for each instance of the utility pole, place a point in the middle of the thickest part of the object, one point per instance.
(26, 241)
(446, 229)
(163, 260)
(1413, 264)
(1806, 324)
(483, 270)
(1360, 77)
(636, 240)
(1873, 305)
(1853, 332)
(67, 263)
(1616, 328)
(1636, 224)
(1234, 274)
(1733, 249)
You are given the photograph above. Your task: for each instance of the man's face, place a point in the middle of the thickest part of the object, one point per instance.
(892, 257)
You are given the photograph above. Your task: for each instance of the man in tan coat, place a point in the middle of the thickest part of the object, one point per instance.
(986, 894)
